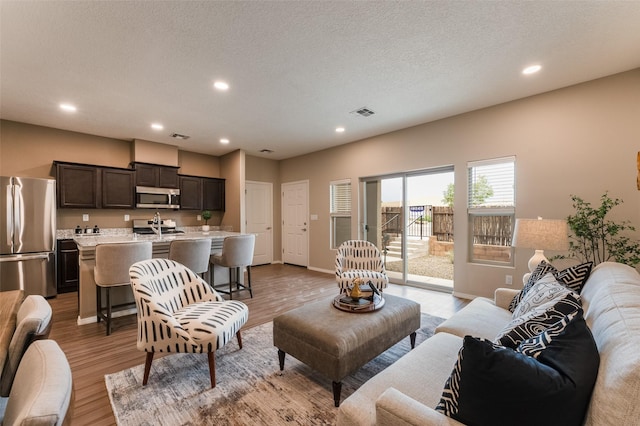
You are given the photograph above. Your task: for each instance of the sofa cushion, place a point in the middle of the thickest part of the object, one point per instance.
(419, 374)
(537, 320)
(612, 311)
(491, 384)
(481, 318)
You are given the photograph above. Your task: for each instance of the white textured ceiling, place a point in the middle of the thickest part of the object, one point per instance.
(296, 69)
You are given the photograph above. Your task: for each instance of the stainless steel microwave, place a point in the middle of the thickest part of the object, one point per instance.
(148, 197)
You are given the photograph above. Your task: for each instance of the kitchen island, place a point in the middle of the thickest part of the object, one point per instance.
(87, 287)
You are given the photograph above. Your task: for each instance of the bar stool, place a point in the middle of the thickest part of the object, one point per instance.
(112, 270)
(194, 254)
(237, 252)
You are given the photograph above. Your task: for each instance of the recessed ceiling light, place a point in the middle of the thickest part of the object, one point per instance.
(68, 107)
(224, 141)
(531, 69)
(221, 85)
(339, 129)
(157, 126)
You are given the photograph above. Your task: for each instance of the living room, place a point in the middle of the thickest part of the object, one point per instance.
(579, 138)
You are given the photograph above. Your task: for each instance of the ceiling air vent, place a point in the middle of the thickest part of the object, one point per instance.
(364, 111)
(266, 151)
(179, 136)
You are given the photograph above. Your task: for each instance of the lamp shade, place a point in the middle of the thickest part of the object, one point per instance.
(541, 234)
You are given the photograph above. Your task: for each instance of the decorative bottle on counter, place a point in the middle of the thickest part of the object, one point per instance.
(96, 230)
(78, 230)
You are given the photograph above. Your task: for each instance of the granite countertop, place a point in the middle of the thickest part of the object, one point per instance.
(91, 240)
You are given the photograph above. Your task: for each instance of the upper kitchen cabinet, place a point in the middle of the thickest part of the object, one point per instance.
(157, 176)
(94, 187)
(77, 186)
(190, 193)
(213, 194)
(117, 188)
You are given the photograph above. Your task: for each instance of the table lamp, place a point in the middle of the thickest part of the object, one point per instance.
(540, 234)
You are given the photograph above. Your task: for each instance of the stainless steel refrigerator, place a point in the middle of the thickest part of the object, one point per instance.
(28, 235)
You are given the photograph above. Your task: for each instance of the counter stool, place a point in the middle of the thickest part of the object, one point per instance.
(112, 270)
(237, 252)
(194, 254)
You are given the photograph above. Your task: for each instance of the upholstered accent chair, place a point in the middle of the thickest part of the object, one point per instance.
(33, 322)
(43, 390)
(237, 252)
(359, 258)
(179, 312)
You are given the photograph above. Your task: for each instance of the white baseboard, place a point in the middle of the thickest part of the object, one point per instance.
(122, 313)
(326, 271)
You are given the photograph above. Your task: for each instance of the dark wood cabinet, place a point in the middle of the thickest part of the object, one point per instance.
(190, 193)
(213, 194)
(77, 186)
(117, 188)
(68, 267)
(156, 176)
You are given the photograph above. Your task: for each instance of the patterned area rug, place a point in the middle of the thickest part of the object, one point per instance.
(250, 388)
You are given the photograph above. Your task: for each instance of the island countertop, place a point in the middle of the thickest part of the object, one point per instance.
(86, 248)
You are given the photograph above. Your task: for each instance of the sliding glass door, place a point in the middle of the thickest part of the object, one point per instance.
(409, 216)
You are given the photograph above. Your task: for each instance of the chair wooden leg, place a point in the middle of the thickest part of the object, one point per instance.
(239, 339)
(147, 368)
(212, 368)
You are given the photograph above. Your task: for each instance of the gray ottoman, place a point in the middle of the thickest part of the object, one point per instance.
(337, 343)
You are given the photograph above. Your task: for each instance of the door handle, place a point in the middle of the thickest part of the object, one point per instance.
(304, 229)
(268, 228)
(22, 257)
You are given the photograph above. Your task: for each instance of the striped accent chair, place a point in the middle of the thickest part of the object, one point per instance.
(359, 258)
(179, 312)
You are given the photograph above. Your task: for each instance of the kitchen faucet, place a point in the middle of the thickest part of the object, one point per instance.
(156, 225)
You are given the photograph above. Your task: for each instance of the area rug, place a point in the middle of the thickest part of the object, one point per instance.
(250, 389)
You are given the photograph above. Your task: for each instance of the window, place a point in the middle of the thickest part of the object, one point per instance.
(340, 212)
(491, 210)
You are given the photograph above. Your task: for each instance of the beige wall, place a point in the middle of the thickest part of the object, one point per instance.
(232, 169)
(580, 140)
(29, 150)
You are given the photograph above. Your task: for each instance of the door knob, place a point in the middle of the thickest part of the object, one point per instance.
(268, 228)
(304, 229)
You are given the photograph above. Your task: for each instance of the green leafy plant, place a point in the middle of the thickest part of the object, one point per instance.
(480, 192)
(598, 239)
(206, 215)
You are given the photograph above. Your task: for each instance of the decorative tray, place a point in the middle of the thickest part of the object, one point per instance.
(368, 303)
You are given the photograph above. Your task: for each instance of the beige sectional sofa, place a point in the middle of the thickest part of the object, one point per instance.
(407, 392)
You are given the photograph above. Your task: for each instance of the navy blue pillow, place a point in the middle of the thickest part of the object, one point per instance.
(495, 385)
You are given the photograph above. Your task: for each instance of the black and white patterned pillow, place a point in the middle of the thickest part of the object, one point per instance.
(574, 277)
(494, 385)
(543, 295)
(540, 271)
(534, 346)
(537, 320)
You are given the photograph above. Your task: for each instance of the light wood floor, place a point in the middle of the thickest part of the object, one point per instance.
(276, 289)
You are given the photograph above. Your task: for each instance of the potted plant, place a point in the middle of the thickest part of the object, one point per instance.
(598, 239)
(206, 215)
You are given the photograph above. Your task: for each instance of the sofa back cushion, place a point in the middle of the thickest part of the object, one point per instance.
(611, 300)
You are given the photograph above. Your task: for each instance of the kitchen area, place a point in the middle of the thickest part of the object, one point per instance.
(89, 204)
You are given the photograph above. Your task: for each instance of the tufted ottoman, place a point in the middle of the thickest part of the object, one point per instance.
(337, 343)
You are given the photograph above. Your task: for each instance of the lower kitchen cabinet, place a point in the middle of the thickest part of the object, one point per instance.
(68, 266)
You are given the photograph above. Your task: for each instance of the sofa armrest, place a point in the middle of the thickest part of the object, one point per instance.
(394, 408)
(504, 296)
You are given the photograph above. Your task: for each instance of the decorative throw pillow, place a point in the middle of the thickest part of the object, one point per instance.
(494, 385)
(540, 271)
(546, 292)
(574, 277)
(538, 320)
(535, 345)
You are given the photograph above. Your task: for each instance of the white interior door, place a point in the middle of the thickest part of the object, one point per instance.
(259, 213)
(295, 213)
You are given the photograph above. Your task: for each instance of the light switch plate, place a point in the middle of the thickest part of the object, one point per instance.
(126, 218)
(314, 217)
(199, 217)
(85, 218)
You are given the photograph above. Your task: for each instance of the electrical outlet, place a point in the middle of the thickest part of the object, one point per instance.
(199, 217)
(508, 279)
(126, 218)
(85, 218)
